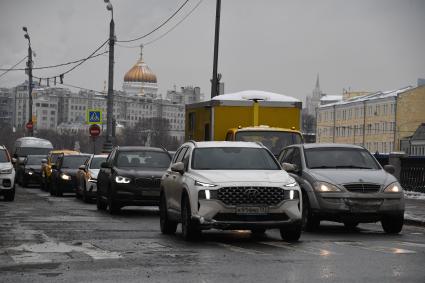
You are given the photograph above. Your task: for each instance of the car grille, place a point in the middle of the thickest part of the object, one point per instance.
(362, 188)
(148, 182)
(251, 195)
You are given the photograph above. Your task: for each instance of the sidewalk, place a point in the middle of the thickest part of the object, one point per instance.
(415, 208)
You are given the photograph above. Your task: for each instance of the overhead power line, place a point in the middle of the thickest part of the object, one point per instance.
(158, 27)
(170, 30)
(73, 68)
(58, 65)
(11, 68)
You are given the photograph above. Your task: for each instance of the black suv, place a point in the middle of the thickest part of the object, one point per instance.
(64, 173)
(131, 176)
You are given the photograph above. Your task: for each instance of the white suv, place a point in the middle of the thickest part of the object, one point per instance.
(228, 185)
(7, 175)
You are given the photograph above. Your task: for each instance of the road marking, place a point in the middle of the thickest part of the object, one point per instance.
(383, 249)
(307, 250)
(410, 244)
(29, 257)
(241, 250)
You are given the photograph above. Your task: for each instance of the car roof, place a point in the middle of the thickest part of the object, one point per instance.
(327, 145)
(64, 151)
(139, 148)
(228, 144)
(99, 155)
(74, 155)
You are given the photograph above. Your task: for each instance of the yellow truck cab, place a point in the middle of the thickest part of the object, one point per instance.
(272, 137)
(240, 116)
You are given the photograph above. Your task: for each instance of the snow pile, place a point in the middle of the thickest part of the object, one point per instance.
(414, 195)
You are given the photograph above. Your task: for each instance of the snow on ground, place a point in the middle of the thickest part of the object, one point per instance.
(414, 195)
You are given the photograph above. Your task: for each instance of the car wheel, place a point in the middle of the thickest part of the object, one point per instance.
(309, 221)
(350, 225)
(291, 233)
(113, 207)
(190, 230)
(168, 227)
(10, 195)
(392, 224)
(101, 205)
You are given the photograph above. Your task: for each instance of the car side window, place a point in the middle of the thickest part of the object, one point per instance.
(176, 155)
(181, 154)
(281, 156)
(287, 158)
(296, 157)
(186, 158)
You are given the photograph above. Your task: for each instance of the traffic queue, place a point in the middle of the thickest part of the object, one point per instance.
(219, 184)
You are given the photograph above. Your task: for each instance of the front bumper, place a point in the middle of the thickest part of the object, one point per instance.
(34, 178)
(361, 207)
(215, 214)
(130, 194)
(7, 182)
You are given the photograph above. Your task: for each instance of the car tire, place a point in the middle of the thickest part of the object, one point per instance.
(113, 207)
(167, 226)
(291, 233)
(351, 225)
(309, 221)
(392, 224)
(101, 205)
(190, 229)
(10, 195)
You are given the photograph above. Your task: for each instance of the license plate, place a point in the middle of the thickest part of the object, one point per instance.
(252, 210)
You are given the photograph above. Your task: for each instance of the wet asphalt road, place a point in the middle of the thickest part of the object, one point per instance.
(51, 239)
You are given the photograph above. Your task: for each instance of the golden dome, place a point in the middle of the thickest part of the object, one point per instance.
(140, 72)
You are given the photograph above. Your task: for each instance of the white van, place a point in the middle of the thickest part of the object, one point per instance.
(31, 146)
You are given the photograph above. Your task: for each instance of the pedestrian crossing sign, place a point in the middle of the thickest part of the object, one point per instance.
(94, 116)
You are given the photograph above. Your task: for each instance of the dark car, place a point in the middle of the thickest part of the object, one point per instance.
(64, 171)
(131, 176)
(29, 170)
(344, 183)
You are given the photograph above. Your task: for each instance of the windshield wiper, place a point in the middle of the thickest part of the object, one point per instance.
(321, 167)
(352, 166)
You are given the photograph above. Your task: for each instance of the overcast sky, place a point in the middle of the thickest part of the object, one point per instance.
(277, 46)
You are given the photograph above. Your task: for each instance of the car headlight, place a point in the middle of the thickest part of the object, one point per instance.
(292, 194)
(122, 180)
(290, 185)
(323, 187)
(65, 177)
(207, 194)
(202, 184)
(6, 171)
(30, 172)
(393, 188)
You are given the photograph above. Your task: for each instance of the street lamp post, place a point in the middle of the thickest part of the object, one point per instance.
(216, 78)
(107, 146)
(29, 70)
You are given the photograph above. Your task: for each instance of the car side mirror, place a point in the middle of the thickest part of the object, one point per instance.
(105, 165)
(178, 167)
(290, 168)
(54, 166)
(43, 161)
(390, 169)
(82, 167)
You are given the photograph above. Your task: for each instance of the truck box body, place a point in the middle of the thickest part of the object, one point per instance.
(210, 120)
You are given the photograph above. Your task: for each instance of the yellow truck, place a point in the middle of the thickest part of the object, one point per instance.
(270, 118)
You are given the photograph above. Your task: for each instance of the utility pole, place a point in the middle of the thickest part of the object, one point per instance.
(215, 79)
(107, 146)
(29, 70)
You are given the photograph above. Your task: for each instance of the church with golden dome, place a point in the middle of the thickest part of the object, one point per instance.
(140, 80)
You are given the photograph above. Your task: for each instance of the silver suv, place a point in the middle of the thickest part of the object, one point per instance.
(344, 183)
(228, 185)
(7, 175)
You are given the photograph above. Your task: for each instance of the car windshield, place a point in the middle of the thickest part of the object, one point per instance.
(95, 163)
(3, 156)
(35, 159)
(143, 159)
(339, 158)
(273, 140)
(233, 158)
(73, 162)
(24, 151)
